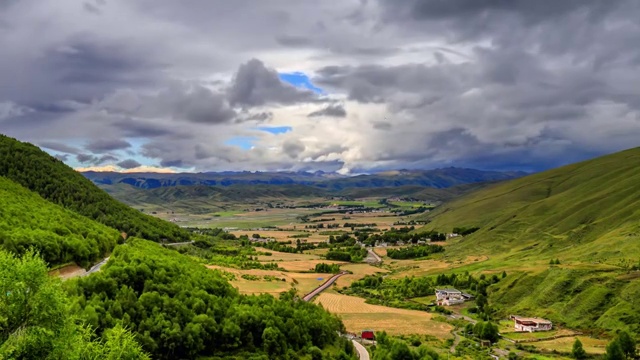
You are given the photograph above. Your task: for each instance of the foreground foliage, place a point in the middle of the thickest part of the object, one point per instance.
(179, 309)
(389, 348)
(36, 322)
(61, 236)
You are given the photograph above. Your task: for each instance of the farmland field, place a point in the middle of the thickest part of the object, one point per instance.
(590, 345)
(357, 315)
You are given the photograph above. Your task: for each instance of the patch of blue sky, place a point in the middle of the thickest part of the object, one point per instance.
(300, 80)
(275, 129)
(243, 142)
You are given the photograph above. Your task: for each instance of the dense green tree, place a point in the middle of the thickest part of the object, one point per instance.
(614, 351)
(578, 351)
(412, 252)
(177, 308)
(627, 343)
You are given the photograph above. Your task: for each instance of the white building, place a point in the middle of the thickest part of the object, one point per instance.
(531, 324)
(449, 297)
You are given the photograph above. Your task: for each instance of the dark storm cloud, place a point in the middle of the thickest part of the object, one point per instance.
(180, 101)
(59, 147)
(502, 83)
(104, 159)
(91, 8)
(254, 84)
(95, 160)
(141, 128)
(64, 157)
(85, 158)
(201, 105)
(293, 41)
(293, 148)
(129, 164)
(331, 111)
(172, 163)
(106, 145)
(88, 61)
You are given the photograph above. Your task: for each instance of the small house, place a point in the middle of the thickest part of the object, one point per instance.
(531, 324)
(449, 297)
(368, 334)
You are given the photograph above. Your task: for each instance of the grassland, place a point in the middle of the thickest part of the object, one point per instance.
(564, 345)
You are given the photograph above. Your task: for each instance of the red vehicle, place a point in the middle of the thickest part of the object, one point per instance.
(368, 334)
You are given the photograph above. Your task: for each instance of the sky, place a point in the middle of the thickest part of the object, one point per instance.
(349, 86)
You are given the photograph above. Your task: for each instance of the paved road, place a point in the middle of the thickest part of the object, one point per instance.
(322, 287)
(374, 255)
(96, 267)
(363, 354)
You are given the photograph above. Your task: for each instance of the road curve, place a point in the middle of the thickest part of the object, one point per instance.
(373, 253)
(322, 287)
(96, 267)
(363, 354)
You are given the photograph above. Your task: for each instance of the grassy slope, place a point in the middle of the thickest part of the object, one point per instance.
(586, 214)
(588, 211)
(37, 171)
(60, 235)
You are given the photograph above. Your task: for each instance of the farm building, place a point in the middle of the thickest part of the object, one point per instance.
(449, 297)
(531, 324)
(368, 334)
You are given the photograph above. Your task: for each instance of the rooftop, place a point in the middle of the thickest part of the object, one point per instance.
(531, 319)
(450, 290)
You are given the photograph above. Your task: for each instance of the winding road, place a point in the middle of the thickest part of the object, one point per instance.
(96, 267)
(363, 354)
(322, 287)
(376, 258)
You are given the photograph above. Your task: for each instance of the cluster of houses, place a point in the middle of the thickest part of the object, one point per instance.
(449, 296)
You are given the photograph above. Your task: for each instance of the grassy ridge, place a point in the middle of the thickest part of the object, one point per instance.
(588, 211)
(61, 236)
(586, 214)
(37, 171)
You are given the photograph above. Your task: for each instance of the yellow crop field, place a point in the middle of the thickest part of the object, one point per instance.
(303, 282)
(359, 271)
(282, 256)
(590, 345)
(428, 267)
(357, 316)
(305, 265)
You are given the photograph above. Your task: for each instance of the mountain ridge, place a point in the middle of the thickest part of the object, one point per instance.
(436, 178)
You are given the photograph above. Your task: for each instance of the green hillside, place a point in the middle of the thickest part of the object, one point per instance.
(60, 235)
(36, 170)
(588, 211)
(586, 215)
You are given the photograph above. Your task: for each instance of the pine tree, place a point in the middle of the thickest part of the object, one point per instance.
(578, 351)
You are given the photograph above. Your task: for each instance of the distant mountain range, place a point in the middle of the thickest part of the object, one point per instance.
(438, 178)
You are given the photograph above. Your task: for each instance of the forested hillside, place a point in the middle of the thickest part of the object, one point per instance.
(179, 309)
(60, 235)
(37, 171)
